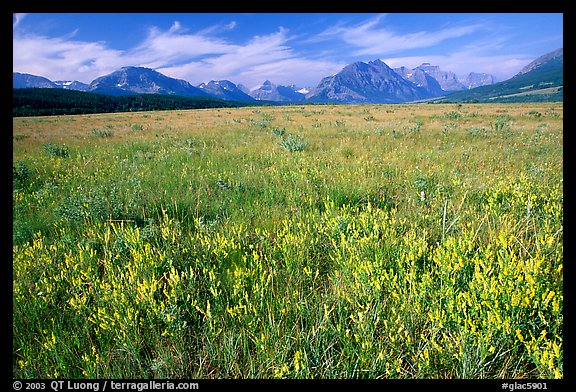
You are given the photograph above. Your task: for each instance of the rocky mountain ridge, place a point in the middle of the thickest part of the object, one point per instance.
(224, 89)
(474, 80)
(72, 85)
(359, 82)
(540, 81)
(24, 80)
(269, 91)
(537, 63)
(140, 80)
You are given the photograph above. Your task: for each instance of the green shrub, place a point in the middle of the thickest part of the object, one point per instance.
(20, 173)
(55, 150)
(294, 143)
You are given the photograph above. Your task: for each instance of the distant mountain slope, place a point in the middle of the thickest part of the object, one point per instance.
(474, 80)
(140, 80)
(72, 85)
(23, 80)
(421, 79)
(543, 60)
(269, 91)
(224, 89)
(447, 79)
(542, 80)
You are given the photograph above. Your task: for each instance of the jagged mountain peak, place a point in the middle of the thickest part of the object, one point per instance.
(134, 67)
(224, 89)
(421, 79)
(372, 82)
(447, 79)
(269, 91)
(477, 79)
(378, 63)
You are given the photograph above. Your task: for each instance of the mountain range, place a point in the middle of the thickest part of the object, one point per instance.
(541, 80)
(224, 89)
(359, 82)
(269, 91)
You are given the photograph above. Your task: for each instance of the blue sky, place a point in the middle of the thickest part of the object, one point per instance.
(286, 48)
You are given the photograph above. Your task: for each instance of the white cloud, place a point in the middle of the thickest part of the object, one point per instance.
(17, 18)
(209, 59)
(369, 39)
(262, 57)
(203, 56)
(217, 28)
(63, 57)
(175, 27)
(58, 58)
(302, 72)
(177, 53)
(479, 55)
(172, 46)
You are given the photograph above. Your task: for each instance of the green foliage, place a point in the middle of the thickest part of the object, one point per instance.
(20, 173)
(501, 125)
(535, 113)
(478, 131)
(102, 132)
(417, 127)
(453, 115)
(294, 143)
(56, 150)
(279, 131)
(93, 204)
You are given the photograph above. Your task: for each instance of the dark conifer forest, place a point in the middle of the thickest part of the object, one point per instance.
(50, 101)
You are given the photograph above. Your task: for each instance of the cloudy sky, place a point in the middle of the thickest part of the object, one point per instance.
(286, 48)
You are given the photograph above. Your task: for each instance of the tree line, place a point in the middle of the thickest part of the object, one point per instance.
(50, 101)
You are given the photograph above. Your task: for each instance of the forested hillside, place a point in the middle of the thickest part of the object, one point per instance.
(49, 101)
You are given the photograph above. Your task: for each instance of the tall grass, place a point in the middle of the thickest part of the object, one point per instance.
(425, 242)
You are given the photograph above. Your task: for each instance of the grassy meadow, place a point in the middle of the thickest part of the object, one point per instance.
(328, 241)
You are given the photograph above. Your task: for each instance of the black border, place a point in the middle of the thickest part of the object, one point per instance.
(504, 6)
